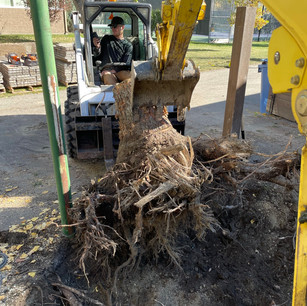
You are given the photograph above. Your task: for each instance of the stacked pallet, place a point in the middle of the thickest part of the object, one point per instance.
(2, 88)
(15, 76)
(65, 60)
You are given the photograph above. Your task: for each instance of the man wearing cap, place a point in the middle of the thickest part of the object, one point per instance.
(114, 52)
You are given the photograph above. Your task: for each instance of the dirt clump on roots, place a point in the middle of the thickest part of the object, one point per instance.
(149, 199)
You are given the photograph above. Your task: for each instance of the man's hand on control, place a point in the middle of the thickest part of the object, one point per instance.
(96, 42)
(108, 72)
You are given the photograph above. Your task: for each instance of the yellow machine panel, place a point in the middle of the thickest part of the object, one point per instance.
(287, 72)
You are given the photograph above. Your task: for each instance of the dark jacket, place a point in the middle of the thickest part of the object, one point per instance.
(115, 51)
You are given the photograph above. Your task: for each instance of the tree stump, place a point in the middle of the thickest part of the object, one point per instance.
(146, 131)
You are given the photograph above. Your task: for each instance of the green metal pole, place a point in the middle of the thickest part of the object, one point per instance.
(44, 46)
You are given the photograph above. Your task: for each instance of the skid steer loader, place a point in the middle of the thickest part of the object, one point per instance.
(91, 127)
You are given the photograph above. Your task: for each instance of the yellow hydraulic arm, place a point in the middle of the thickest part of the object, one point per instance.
(174, 34)
(287, 72)
(173, 77)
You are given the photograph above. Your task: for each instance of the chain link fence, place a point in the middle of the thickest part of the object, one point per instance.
(219, 28)
(216, 26)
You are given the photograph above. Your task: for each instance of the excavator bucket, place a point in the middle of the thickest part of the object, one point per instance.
(149, 90)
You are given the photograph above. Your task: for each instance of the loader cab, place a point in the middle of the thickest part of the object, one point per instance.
(134, 34)
(137, 29)
(92, 130)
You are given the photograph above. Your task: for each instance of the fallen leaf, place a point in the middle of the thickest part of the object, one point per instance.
(20, 231)
(10, 189)
(6, 268)
(11, 257)
(34, 235)
(33, 261)
(50, 240)
(2, 297)
(29, 226)
(13, 227)
(41, 226)
(12, 249)
(32, 274)
(34, 219)
(45, 192)
(35, 249)
(23, 256)
(54, 212)
(3, 246)
(55, 202)
(55, 218)
(44, 211)
(18, 246)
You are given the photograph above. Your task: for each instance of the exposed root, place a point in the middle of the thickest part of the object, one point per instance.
(236, 168)
(158, 191)
(70, 293)
(135, 211)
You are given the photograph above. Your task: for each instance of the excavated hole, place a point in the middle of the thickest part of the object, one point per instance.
(12, 237)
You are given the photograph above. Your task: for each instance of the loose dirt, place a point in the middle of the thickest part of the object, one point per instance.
(248, 261)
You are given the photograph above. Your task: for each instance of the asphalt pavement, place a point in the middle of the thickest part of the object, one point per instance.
(267, 133)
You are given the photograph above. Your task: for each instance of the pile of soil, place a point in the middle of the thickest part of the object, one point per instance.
(248, 260)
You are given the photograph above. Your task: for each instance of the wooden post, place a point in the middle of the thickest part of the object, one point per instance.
(241, 49)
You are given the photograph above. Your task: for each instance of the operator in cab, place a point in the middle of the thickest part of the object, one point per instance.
(114, 52)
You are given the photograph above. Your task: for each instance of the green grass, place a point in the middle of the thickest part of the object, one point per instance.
(217, 56)
(57, 38)
(26, 90)
(206, 56)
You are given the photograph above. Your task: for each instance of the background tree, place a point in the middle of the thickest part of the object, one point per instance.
(155, 18)
(56, 7)
(261, 10)
(79, 5)
(272, 25)
(260, 21)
